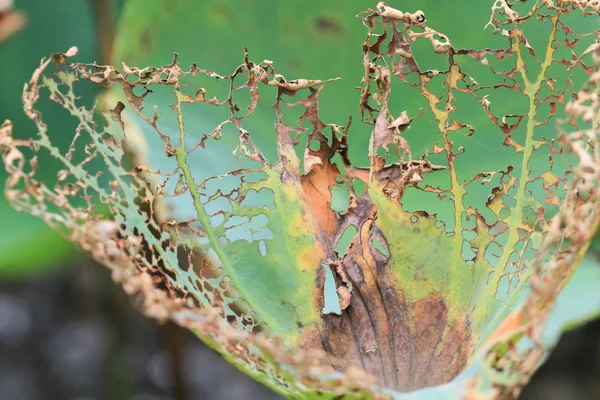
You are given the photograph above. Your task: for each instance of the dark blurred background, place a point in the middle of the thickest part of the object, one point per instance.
(73, 334)
(67, 332)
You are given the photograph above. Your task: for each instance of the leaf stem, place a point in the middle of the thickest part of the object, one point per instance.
(531, 90)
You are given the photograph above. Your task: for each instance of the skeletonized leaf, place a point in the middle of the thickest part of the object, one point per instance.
(453, 296)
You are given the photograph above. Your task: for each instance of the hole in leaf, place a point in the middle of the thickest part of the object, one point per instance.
(330, 296)
(345, 239)
(379, 246)
(262, 247)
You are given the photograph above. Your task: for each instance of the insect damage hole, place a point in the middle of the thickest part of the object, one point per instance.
(379, 246)
(331, 300)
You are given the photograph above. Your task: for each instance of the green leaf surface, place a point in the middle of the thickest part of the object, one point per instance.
(578, 303)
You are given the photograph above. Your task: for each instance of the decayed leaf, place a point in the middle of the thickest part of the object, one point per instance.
(424, 294)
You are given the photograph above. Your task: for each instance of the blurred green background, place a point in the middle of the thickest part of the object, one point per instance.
(27, 245)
